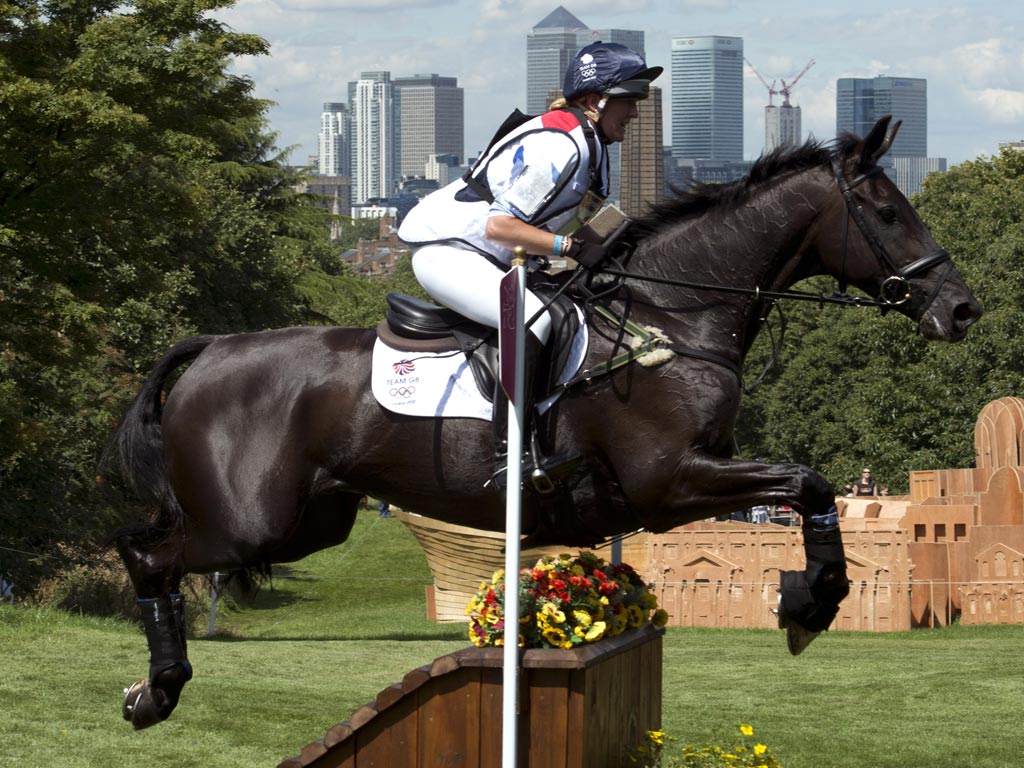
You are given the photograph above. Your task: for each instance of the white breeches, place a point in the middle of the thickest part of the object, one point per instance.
(467, 282)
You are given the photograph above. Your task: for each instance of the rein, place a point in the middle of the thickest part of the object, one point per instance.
(896, 288)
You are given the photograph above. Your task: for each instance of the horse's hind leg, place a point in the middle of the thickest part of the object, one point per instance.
(155, 566)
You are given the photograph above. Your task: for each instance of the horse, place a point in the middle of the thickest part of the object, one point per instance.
(260, 452)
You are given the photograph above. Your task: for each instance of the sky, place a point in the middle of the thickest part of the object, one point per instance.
(972, 56)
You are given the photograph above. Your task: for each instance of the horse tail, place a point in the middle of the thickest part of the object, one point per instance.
(136, 452)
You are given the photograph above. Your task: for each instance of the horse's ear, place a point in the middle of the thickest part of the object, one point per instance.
(877, 142)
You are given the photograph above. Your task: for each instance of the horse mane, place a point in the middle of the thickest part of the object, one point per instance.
(703, 196)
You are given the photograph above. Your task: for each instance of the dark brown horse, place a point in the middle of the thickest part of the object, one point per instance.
(268, 441)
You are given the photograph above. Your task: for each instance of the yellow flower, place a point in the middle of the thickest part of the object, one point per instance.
(660, 618)
(551, 610)
(747, 730)
(760, 749)
(553, 635)
(636, 616)
(583, 618)
(658, 737)
(595, 632)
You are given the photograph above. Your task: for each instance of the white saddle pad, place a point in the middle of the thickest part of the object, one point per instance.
(440, 384)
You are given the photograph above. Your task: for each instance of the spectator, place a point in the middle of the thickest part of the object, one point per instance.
(866, 485)
(383, 509)
(883, 490)
(759, 514)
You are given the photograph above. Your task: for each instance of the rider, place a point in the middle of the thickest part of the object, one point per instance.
(535, 187)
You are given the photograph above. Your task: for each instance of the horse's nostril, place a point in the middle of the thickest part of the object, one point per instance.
(967, 313)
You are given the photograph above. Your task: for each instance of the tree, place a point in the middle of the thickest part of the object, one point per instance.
(856, 388)
(141, 199)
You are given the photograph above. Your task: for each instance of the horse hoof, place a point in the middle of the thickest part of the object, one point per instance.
(797, 637)
(139, 707)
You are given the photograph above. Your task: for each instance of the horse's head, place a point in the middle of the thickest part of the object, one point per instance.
(885, 249)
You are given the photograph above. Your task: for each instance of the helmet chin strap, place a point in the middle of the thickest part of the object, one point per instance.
(600, 111)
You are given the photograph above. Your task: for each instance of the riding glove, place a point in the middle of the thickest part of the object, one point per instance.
(588, 255)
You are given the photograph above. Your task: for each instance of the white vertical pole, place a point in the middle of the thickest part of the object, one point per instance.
(512, 330)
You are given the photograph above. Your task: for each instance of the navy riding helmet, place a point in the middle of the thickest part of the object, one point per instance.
(611, 69)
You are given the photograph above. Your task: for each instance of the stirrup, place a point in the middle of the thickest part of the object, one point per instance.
(797, 637)
(542, 475)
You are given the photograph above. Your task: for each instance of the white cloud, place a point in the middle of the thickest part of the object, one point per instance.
(364, 6)
(1001, 105)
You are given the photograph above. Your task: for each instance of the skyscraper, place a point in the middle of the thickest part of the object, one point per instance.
(550, 47)
(707, 98)
(861, 101)
(781, 126)
(643, 168)
(430, 120)
(374, 129)
(335, 140)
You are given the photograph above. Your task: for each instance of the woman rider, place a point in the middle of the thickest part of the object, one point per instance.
(534, 187)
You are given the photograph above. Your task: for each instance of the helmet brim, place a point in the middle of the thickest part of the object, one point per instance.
(636, 87)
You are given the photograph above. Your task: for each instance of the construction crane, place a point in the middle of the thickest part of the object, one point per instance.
(771, 88)
(788, 87)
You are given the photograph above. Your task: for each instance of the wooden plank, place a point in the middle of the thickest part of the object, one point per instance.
(337, 733)
(391, 740)
(389, 697)
(341, 756)
(362, 716)
(491, 719)
(416, 678)
(448, 720)
(547, 727)
(578, 729)
(312, 751)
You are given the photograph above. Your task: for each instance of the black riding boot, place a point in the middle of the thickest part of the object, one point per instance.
(541, 470)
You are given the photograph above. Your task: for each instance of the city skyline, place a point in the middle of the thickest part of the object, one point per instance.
(972, 57)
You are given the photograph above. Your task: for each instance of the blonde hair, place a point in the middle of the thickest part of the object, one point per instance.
(561, 103)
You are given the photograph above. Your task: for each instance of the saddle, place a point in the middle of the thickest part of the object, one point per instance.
(418, 326)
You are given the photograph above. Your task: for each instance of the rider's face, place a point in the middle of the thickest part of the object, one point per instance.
(616, 116)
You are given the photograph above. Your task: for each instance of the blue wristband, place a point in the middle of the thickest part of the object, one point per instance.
(557, 248)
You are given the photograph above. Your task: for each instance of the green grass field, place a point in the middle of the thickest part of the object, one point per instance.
(343, 624)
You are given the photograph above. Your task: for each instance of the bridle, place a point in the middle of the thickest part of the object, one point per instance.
(896, 288)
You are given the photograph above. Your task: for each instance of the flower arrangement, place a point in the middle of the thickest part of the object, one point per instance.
(565, 601)
(660, 752)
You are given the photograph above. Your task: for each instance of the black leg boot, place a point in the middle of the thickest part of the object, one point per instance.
(543, 471)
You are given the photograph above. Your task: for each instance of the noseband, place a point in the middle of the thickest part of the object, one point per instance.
(896, 288)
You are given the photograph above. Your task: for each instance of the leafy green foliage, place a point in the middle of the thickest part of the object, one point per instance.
(854, 388)
(142, 200)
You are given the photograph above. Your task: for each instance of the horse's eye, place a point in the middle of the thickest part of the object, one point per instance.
(887, 213)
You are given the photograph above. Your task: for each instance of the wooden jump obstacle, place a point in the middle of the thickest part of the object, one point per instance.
(581, 708)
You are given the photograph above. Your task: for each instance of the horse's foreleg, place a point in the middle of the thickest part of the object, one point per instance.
(809, 599)
(156, 573)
